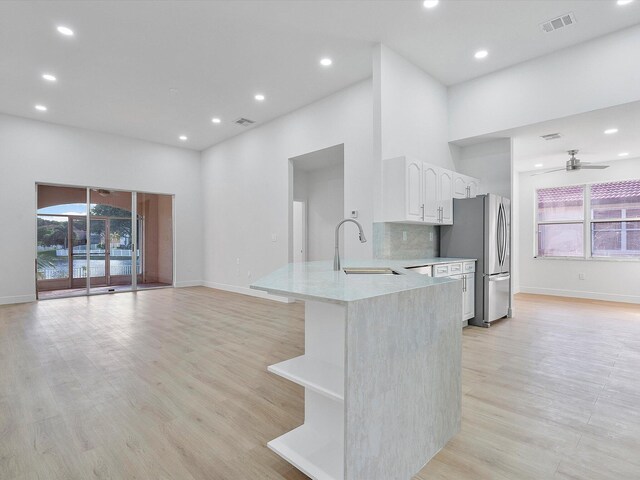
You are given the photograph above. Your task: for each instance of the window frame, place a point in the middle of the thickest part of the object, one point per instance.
(586, 222)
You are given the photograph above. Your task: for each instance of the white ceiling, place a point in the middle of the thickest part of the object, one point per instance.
(584, 132)
(115, 75)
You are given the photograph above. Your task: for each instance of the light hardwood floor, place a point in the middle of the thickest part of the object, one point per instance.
(172, 384)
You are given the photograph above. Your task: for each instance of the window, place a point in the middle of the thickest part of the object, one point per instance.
(610, 228)
(560, 222)
(615, 219)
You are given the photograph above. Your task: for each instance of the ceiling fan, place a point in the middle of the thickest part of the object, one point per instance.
(574, 164)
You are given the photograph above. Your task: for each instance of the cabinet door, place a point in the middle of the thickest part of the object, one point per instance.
(459, 186)
(473, 188)
(446, 196)
(414, 191)
(468, 303)
(430, 180)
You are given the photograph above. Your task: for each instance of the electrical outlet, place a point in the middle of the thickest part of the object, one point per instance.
(581, 276)
(354, 213)
(274, 237)
(237, 261)
(404, 236)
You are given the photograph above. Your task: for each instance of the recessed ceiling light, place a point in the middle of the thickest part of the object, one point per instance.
(48, 77)
(538, 165)
(480, 54)
(183, 138)
(326, 62)
(610, 131)
(216, 120)
(41, 108)
(623, 154)
(259, 97)
(624, 2)
(430, 3)
(65, 31)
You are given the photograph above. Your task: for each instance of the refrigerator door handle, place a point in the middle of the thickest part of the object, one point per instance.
(499, 235)
(499, 278)
(504, 235)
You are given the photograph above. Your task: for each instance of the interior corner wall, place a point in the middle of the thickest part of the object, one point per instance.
(515, 228)
(490, 162)
(325, 208)
(592, 75)
(32, 151)
(246, 182)
(614, 280)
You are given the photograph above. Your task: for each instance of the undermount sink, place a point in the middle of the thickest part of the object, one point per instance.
(369, 271)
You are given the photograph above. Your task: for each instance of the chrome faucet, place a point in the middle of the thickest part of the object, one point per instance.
(336, 257)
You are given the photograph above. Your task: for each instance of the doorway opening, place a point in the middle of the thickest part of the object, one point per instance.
(317, 203)
(94, 240)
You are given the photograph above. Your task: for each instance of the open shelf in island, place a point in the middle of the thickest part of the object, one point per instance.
(311, 453)
(321, 377)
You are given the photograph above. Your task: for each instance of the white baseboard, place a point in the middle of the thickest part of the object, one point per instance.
(247, 291)
(17, 299)
(189, 283)
(608, 297)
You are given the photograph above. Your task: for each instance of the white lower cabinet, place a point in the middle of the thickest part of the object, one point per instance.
(466, 272)
(468, 296)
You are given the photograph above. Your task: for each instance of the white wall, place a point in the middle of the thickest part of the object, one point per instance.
(413, 108)
(605, 280)
(33, 151)
(592, 75)
(490, 162)
(325, 208)
(410, 115)
(246, 186)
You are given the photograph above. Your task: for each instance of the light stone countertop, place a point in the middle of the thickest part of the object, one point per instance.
(318, 280)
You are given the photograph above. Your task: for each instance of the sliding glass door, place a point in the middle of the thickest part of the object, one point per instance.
(128, 244)
(78, 252)
(110, 217)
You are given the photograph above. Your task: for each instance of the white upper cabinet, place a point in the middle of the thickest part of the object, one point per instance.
(464, 186)
(459, 186)
(419, 192)
(414, 191)
(430, 199)
(446, 197)
(403, 194)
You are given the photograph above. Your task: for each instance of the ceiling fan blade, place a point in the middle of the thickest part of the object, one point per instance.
(549, 171)
(593, 167)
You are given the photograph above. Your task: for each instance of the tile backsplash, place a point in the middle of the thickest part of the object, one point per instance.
(397, 241)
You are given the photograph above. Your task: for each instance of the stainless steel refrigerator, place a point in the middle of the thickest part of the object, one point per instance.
(482, 230)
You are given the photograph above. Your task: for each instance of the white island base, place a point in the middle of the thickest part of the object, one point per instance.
(382, 384)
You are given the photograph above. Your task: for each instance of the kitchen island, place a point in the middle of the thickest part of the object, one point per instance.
(381, 369)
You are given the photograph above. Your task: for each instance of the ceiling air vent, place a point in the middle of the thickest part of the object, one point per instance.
(244, 122)
(551, 136)
(560, 22)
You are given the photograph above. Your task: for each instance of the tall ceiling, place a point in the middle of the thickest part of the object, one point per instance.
(159, 69)
(583, 132)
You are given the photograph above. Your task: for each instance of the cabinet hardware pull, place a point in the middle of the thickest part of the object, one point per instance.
(422, 208)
